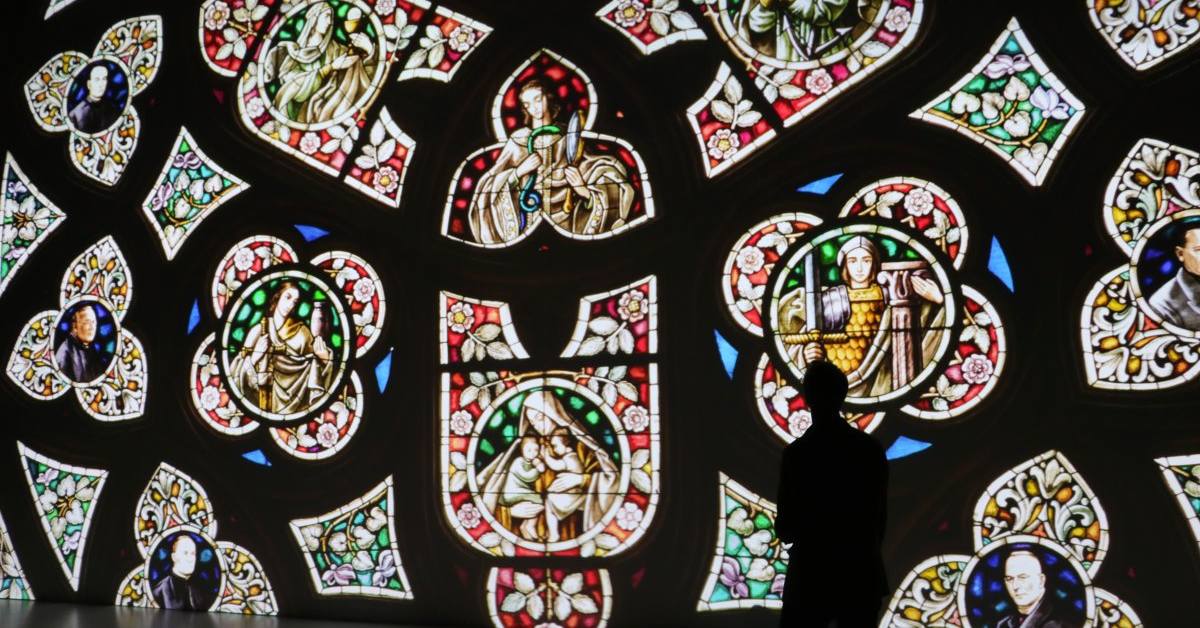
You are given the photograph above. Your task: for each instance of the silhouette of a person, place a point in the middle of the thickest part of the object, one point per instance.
(833, 509)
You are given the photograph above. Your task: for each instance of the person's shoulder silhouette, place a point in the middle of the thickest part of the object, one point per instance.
(832, 508)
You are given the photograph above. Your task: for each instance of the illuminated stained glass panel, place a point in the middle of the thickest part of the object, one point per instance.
(27, 218)
(320, 124)
(84, 345)
(475, 330)
(1145, 33)
(590, 437)
(651, 25)
(1012, 104)
(1182, 475)
(382, 162)
(1039, 518)
(175, 526)
(65, 497)
(190, 187)
(622, 321)
(352, 550)
(726, 124)
(586, 185)
(91, 96)
(803, 56)
(444, 45)
(750, 563)
(549, 597)
(228, 29)
(13, 584)
(327, 314)
(1140, 330)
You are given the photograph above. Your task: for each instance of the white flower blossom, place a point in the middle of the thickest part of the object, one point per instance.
(310, 143)
(461, 38)
(461, 317)
(243, 259)
(818, 81)
(919, 202)
(469, 516)
(461, 422)
(636, 418)
(750, 260)
(629, 516)
(976, 369)
(210, 398)
(629, 13)
(723, 144)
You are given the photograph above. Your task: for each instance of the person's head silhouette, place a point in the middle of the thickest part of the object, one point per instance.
(825, 389)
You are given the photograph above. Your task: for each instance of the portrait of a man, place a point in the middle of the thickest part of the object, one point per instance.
(1026, 586)
(178, 590)
(76, 355)
(1178, 300)
(95, 112)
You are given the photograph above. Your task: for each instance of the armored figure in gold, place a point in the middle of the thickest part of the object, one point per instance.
(881, 327)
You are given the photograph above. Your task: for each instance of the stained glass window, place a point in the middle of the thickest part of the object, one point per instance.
(464, 312)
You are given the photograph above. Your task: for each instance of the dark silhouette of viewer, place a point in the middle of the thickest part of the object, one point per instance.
(833, 509)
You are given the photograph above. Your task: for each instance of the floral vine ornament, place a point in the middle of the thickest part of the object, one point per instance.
(228, 28)
(448, 39)
(13, 583)
(973, 359)
(798, 76)
(189, 189)
(651, 25)
(65, 497)
(183, 565)
(1139, 329)
(83, 344)
(621, 321)
(476, 330)
(547, 165)
(28, 219)
(1145, 33)
(352, 550)
(1011, 103)
(331, 310)
(91, 96)
(549, 597)
(750, 563)
(382, 161)
(320, 124)
(1039, 518)
(726, 124)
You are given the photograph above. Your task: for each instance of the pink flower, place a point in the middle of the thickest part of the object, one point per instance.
(897, 19)
(632, 306)
(469, 516)
(976, 369)
(919, 202)
(385, 180)
(629, 13)
(364, 290)
(461, 422)
(818, 81)
(216, 16)
(629, 516)
(461, 38)
(210, 398)
(723, 144)
(255, 108)
(750, 260)
(327, 435)
(461, 317)
(635, 418)
(799, 422)
(385, 7)
(243, 259)
(309, 143)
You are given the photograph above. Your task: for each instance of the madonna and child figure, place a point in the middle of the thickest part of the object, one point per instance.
(881, 327)
(554, 482)
(545, 167)
(319, 78)
(289, 365)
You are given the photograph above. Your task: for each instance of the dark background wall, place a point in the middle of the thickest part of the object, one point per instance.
(1053, 235)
